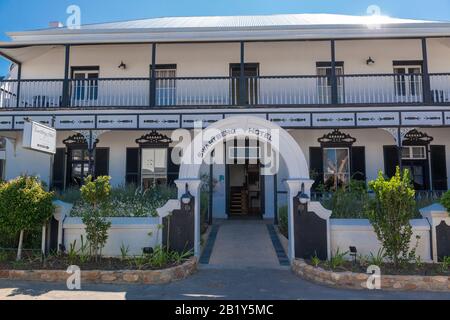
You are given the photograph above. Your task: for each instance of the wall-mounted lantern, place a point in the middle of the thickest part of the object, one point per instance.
(186, 198)
(303, 198)
(370, 61)
(122, 65)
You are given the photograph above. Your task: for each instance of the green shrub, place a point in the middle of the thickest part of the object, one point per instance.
(129, 201)
(445, 200)
(24, 206)
(283, 221)
(390, 212)
(349, 201)
(96, 193)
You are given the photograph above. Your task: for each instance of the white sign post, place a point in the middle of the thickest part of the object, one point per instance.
(39, 137)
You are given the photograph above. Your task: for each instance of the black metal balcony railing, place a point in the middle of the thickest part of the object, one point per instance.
(226, 91)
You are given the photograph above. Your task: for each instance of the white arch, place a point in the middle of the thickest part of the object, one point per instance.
(245, 126)
(287, 148)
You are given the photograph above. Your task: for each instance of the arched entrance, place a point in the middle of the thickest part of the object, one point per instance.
(243, 127)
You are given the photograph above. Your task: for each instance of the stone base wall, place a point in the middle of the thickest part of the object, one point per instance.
(109, 277)
(350, 280)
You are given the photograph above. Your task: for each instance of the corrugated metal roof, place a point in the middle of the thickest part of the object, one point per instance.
(250, 21)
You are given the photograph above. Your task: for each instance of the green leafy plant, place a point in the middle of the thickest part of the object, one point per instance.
(72, 254)
(337, 259)
(378, 258)
(315, 260)
(24, 207)
(445, 264)
(390, 212)
(96, 193)
(83, 253)
(283, 220)
(124, 251)
(445, 200)
(4, 256)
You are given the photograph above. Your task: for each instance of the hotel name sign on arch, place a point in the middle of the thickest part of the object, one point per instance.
(39, 137)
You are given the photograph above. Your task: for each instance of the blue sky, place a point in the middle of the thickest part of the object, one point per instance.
(18, 15)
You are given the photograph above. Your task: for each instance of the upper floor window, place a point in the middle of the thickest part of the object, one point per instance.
(85, 84)
(165, 75)
(408, 78)
(324, 80)
(251, 72)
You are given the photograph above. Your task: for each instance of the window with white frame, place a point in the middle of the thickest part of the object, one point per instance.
(414, 153)
(153, 167)
(336, 166)
(85, 83)
(165, 84)
(324, 72)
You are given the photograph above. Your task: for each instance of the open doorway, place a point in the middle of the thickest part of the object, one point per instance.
(244, 183)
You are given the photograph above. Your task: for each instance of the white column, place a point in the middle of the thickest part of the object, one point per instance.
(194, 189)
(435, 214)
(294, 187)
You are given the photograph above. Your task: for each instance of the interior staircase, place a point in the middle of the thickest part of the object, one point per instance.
(238, 202)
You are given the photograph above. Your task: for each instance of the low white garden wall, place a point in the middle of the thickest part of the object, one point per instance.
(360, 234)
(134, 233)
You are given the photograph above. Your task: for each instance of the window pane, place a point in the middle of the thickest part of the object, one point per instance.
(77, 155)
(342, 161)
(405, 152)
(329, 161)
(418, 152)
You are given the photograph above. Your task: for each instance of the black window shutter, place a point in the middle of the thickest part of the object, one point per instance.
(358, 163)
(101, 162)
(173, 169)
(132, 166)
(59, 165)
(390, 160)
(438, 167)
(316, 165)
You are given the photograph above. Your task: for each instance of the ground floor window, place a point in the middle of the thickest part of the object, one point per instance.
(336, 167)
(153, 167)
(78, 166)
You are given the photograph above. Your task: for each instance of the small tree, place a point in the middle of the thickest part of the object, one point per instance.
(445, 200)
(24, 206)
(96, 193)
(390, 212)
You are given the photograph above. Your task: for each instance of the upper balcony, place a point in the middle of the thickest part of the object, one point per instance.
(364, 89)
(230, 74)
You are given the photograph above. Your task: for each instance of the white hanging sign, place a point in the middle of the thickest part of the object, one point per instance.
(39, 137)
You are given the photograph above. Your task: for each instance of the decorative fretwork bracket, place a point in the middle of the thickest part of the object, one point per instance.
(91, 137)
(398, 134)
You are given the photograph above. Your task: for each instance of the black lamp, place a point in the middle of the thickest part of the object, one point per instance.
(353, 253)
(186, 197)
(303, 198)
(370, 61)
(122, 65)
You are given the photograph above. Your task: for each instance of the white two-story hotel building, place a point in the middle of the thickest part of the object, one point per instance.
(358, 95)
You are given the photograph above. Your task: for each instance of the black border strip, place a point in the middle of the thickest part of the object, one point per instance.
(207, 251)
(282, 257)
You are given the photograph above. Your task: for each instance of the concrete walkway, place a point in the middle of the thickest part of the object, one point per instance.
(243, 244)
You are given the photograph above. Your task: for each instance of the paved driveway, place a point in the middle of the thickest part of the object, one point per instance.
(208, 283)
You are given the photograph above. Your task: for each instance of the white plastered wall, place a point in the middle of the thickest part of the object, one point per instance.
(213, 59)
